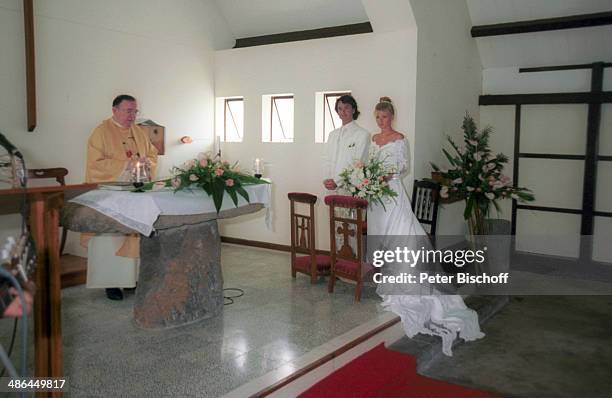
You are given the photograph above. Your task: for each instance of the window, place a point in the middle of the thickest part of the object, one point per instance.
(277, 118)
(326, 118)
(230, 118)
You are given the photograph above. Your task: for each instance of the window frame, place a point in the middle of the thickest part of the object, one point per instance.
(225, 109)
(326, 103)
(273, 99)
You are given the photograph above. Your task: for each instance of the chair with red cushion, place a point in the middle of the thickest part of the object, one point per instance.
(303, 239)
(347, 261)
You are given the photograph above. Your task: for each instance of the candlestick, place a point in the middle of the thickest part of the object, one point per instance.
(218, 145)
(258, 167)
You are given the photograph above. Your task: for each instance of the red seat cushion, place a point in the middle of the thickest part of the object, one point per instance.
(303, 262)
(346, 201)
(352, 267)
(347, 267)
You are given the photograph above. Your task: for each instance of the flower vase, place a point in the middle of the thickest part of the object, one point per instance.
(477, 224)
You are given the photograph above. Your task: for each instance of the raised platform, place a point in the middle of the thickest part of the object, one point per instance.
(427, 349)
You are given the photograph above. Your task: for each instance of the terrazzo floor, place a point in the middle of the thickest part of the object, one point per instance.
(277, 320)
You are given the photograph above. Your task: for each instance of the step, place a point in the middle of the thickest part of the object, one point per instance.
(427, 349)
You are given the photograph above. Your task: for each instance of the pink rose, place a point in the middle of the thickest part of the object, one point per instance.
(229, 182)
(203, 162)
(218, 172)
(366, 181)
(176, 182)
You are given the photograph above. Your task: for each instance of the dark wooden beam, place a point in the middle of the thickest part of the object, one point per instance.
(551, 156)
(542, 25)
(549, 209)
(552, 98)
(590, 165)
(561, 67)
(332, 31)
(28, 23)
(255, 243)
(515, 166)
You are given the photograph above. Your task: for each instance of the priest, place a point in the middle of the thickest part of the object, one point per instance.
(112, 150)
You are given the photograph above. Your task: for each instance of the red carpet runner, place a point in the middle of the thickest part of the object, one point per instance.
(383, 373)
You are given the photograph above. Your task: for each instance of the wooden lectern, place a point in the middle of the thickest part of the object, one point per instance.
(44, 204)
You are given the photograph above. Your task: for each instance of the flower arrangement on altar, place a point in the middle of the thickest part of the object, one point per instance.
(368, 180)
(211, 174)
(475, 176)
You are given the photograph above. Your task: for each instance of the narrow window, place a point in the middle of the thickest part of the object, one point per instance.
(326, 118)
(230, 118)
(277, 118)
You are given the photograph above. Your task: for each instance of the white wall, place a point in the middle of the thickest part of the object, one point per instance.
(444, 70)
(556, 183)
(370, 65)
(89, 51)
(448, 86)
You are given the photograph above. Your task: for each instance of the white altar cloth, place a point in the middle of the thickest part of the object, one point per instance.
(140, 210)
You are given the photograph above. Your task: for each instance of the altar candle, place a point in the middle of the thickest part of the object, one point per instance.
(257, 165)
(217, 145)
(138, 171)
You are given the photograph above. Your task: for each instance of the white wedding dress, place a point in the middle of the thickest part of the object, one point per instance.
(422, 308)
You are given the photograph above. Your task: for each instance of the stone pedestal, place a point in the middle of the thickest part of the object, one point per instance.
(182, 281)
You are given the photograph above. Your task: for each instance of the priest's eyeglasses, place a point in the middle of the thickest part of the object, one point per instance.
(130, 111)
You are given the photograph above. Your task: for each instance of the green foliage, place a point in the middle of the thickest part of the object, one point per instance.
(211, 174)
(368, 180)
(475, 174)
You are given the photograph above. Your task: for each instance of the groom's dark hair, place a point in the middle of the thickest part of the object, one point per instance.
(348, 99)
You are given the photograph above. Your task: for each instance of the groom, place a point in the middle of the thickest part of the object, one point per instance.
(345, 144)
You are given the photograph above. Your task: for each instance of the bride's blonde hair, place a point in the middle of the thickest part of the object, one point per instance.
(385, 104)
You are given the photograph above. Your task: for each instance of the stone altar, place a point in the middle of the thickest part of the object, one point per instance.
(180, 279)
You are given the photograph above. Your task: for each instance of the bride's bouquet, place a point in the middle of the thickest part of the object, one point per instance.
(368, 180)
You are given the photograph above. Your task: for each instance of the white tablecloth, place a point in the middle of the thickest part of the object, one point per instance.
(140, 210)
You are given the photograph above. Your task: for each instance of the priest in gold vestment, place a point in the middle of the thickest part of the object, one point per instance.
(112, 260)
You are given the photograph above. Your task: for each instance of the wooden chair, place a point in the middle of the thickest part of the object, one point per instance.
(425, 201)
(58, 173)
(303, 240)
(345, 262)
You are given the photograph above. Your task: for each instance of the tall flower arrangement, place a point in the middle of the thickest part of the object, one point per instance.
(476, 176)
(211, 174)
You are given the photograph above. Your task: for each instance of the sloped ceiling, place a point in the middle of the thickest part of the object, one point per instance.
(249, 18)
(571, 46)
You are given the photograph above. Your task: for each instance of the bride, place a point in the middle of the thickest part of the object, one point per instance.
(422, 309)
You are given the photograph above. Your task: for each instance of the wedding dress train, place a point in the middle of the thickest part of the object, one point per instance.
(422, 308)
